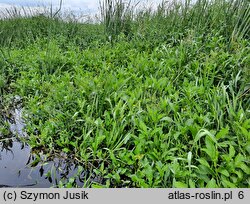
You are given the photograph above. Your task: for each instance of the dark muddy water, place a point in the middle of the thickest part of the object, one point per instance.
(20, 168)
(17, 168)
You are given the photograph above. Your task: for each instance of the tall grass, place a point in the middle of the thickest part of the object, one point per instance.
(242, 22)
(230, 18)
(171, 20)
(117, 16)
(22, 31)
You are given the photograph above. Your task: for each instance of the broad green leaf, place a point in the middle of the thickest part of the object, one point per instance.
(240, 174)
(126, 138)
(224, 172)
(134, 178)
(179, 184)
(168, 119)
(191, 183)
(245, 132)
(160, 168)
(244, 168)
(222, 134)
(65, 149)
(238, 160)
(224, 144)
(231, 152)
(189, 158)
(203, 162)
(205, 170)
(189, 122)
(212, 184)
(210, 149)
(227, 184)
(143, 126)
(96, 185)
(247, 147)
(204, 132)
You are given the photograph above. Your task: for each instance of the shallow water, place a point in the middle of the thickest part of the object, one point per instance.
(17, 124)
(18, 166)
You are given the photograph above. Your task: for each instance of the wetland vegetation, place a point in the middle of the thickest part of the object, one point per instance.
(145, 98)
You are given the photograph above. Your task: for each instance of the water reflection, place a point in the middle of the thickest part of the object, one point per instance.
(20, 168)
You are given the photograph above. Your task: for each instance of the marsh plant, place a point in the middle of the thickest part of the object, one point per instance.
(117, 16)
(164, 104)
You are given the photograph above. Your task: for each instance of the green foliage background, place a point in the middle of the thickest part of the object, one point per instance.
(147, 99)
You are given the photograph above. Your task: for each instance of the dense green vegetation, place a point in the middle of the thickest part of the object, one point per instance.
(154, 98)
